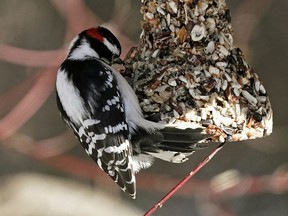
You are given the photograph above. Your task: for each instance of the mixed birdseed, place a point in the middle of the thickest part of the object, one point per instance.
(187, 72)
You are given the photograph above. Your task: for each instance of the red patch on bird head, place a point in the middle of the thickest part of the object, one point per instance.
(95, 33)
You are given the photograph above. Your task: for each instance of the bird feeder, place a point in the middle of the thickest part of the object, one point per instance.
(187, 73)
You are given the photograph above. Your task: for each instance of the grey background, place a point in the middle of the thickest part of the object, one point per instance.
(36, 25)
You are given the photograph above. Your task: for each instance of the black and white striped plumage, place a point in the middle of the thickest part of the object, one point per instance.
(97, 103)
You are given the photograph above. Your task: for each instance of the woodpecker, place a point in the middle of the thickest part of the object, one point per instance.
(101, 108)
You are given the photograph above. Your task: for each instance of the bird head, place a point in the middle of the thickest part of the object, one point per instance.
(97, 42)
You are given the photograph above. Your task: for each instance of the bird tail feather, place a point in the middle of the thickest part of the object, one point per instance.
(170, 144)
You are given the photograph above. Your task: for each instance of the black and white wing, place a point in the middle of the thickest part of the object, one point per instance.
(101, 128)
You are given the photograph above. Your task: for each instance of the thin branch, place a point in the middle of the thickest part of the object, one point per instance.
(184, 180)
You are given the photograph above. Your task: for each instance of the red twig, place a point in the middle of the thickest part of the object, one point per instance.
(184, 180)
(29, 105)
(30, 58)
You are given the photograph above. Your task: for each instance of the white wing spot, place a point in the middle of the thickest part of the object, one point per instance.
(100, 152)
(90, 122)
(99, 163)
(91, 146)
(81, 132)
(115, 129)
(118, 149)
(109, 102)
(111, 172)
(116, 99)
(98, 137)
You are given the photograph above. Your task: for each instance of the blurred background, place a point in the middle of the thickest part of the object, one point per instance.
(44, 171)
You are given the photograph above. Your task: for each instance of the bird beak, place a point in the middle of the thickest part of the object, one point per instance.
(118, 61)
